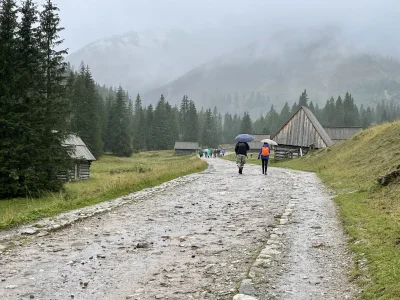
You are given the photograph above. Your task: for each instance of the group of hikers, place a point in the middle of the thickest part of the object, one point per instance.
(241, 154)
(241, 150)
(212, 153)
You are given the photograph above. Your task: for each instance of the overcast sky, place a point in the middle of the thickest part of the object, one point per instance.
(376, 21)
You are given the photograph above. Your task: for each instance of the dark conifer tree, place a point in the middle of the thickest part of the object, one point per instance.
(246, 125)
(108, 123)
(303, 100)
(184, 120)
(339, 112)
(139, 125)
(9, 120)
(284, 115)
(193, 123)
(228, 129)
(207, 134)
(121, 141)
(150, 138)
(159, 125)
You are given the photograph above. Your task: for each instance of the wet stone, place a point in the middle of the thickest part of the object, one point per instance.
(247, 287)
(29, 231)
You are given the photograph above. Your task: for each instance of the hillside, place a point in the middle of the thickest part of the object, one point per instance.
(370, 212)
(140, 60)
(280, 68)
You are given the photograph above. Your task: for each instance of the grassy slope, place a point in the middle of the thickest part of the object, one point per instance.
(370, 213)
(110, 177)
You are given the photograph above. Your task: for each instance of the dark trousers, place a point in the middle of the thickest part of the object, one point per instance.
(264, 165)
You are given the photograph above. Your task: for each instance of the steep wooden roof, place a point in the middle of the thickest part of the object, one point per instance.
(303, 129)
(186, 145)
(77, 148)
(341, 133)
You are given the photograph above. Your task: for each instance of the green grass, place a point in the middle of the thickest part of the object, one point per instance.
(370, 213)
(111, 177)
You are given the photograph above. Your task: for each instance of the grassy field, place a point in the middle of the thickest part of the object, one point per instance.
(110, 177)
(370, 213)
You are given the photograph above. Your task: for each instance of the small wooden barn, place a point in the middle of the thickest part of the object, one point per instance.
(338, 134)
(82, 158)
(185, 148)
(256, 144)
(299, 133)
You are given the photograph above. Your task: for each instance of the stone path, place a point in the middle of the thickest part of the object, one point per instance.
(214, 235)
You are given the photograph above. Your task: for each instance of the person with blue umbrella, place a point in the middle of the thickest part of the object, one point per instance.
(241, 149)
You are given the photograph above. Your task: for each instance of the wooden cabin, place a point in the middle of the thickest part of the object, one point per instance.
(300, 133)
(338, 134)
(256, 144)
(186, 148)
(81, 156)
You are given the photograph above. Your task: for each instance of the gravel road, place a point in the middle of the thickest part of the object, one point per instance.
(215, 235)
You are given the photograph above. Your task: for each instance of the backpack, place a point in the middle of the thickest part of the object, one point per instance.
(265, 151)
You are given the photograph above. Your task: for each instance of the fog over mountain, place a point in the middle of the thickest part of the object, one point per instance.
(279, 68)
(216, 51)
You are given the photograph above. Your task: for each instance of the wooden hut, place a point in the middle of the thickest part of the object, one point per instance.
(300, 133)
(185, 148)
(256, 144)
(338, 134)
(82, 158)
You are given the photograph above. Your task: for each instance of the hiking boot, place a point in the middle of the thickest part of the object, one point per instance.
(240, 170)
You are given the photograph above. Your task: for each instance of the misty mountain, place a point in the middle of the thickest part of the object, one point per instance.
(277, 69)
(145, 60)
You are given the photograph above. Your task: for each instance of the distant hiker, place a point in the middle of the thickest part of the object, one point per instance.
(215, 153)
(241, 154)
(264, 155)
(201, 152)
(206, 155)
(223, 152)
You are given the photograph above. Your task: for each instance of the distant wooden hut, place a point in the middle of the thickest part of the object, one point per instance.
(82, 158)
(338, 134)
(185, 148)
(300, 133)
(256, 144)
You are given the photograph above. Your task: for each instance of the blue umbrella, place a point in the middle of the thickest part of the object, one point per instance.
(244, 137)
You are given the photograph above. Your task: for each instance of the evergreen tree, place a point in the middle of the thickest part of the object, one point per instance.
(228, 129)
(272, 121)
(246, 125)
(170, 126)
(339, 112)
(108, 132)
(150, 138)
(351, 114)
(207, 134)
(121, 141)
(303, 100)
(329, 113)
(294, 108)
(284, 115)
(184, 120)
(9, 121)
(139, 123)
(193, 123)
(159, 125)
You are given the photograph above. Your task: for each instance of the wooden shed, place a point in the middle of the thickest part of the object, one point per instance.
(185, 148)
(299, 133)
(256, 144)
(82, 158)
(338, 134)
